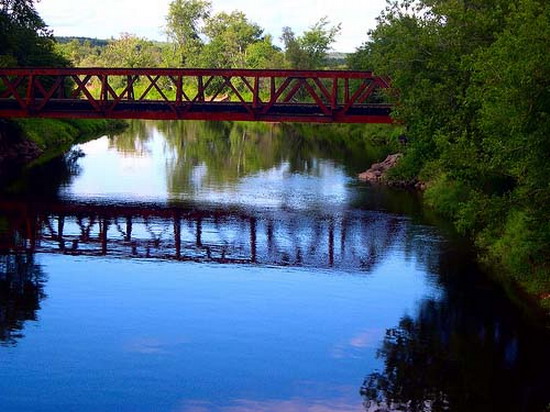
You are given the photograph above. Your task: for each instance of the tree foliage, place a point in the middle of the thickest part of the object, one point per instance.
(222, 40)
(200, 38)
(79, 53)
(23, 13)
(473, 90)
(309, 51)
(263, 55)
(184, 24)
(317, 41)
(229, 35)
(131, 51)
(25, 39)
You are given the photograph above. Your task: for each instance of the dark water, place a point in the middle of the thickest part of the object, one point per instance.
(198, 267)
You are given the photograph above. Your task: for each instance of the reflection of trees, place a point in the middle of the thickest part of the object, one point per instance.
(466, 351)
(350, 145)
(45, 180)
(229, 151)
(216, 153)
(225, 151)
(134, 138)
(21, 290)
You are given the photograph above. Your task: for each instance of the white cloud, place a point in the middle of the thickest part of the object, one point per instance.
(109, 18)
(104, 18)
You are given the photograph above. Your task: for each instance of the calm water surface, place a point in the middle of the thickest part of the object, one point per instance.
(211, 266)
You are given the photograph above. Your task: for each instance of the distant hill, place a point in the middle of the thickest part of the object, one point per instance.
(336, 60)
(337, 56)
(93, 42)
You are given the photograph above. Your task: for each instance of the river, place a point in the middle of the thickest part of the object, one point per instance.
(187, 266)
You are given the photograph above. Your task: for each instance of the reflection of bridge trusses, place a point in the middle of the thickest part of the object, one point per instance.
(346, 239)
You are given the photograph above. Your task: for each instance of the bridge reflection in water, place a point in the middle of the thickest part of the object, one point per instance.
(464, 340)
(345, 239)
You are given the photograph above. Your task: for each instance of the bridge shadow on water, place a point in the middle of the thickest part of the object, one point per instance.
(347, 240)
(354, 240)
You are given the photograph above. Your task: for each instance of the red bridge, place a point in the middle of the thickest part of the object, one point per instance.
(200, 94)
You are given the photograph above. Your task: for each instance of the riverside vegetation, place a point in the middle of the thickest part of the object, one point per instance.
(470, 91)
(471, 81)
(25, 40)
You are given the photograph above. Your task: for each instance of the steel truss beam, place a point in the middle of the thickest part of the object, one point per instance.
(200, 94)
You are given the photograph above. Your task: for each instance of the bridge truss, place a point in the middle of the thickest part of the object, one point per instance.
(198, 94)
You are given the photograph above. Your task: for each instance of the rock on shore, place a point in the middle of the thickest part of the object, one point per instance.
(377, 174)
(377, 171)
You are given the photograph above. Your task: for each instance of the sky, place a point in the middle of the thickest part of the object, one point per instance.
(145, 18)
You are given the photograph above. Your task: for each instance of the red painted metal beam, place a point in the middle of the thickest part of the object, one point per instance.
(199, 94)
(102, 71)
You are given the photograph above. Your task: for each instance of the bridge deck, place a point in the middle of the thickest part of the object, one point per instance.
(201, 94)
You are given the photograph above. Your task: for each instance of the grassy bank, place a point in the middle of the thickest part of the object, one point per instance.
(510, 230)
(52, 135)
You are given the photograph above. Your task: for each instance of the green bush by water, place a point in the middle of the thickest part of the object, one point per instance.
(50, 134)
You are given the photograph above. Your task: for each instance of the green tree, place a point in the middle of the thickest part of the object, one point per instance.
(184, 27)
(317, 41)
(294, 54)
(229, 34)
(263, 55)
(23, 13)
(309, 51)
(25, 39)
(472, 81)
(131, 51)
(512, 84)
(80, 54)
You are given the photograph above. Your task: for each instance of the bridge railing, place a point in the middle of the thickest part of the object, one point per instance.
(217, 94)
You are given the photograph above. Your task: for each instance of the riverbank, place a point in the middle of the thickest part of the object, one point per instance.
(25, 140)
(380, 173)
(529, 286)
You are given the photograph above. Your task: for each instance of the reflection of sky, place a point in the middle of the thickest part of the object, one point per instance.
(106, 173)
(148, 335)
(279, 188)
(125, 177)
